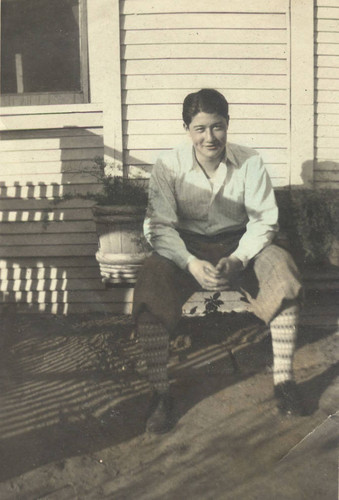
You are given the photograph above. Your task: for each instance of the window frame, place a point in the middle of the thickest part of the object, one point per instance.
(59, 97)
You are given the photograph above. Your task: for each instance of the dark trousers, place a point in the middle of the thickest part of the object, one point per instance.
(270, 280)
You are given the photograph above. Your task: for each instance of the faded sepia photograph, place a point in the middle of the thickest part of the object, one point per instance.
(169, 249)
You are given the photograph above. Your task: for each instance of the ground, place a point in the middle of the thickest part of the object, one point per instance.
(74, 398)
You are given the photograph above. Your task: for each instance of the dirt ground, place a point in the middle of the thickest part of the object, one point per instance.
(74, 398)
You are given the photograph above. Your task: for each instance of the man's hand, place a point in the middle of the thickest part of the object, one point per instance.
(228, 268)
(205, 273)
(215, 278)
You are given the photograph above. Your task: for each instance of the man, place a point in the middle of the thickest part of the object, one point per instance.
(211, 220)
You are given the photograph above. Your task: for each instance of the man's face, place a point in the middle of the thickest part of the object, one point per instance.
(208, 132)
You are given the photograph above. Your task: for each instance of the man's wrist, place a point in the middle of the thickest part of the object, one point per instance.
(238, 262)
(190, 259)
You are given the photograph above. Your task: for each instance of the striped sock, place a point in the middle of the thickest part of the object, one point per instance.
(154, 339)
(284, 332)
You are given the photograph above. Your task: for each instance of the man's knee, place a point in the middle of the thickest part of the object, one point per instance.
(162, 288)
(157, 274)
(159, 267)
(275, 260)
(277, 273)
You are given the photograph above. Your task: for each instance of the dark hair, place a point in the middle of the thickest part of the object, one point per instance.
(206, 100)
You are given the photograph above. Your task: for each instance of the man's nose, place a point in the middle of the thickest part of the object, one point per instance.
(209, 134)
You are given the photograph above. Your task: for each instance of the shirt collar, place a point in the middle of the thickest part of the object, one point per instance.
(230, 155)
(227, 158)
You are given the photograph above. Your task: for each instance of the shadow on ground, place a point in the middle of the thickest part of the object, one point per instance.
(75, 385)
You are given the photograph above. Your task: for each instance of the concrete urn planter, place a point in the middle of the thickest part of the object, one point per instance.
(122, 246)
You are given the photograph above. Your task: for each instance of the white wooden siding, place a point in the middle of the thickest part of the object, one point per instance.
(169, 49)
(326, 168)
(47, 251)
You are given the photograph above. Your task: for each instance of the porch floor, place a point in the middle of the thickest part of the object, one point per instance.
(74, 396)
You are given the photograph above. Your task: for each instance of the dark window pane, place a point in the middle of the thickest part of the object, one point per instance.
(40, 46)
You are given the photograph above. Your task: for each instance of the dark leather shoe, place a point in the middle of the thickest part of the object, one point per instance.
(288, 398)
(161, 414)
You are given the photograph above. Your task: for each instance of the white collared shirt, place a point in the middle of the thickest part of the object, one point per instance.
(182, 198)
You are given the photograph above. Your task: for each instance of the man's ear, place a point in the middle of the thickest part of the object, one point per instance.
(185, 126)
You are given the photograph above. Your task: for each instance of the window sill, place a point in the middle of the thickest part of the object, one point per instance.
(51, 116)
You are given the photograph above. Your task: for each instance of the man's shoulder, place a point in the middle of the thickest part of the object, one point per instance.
(181, 154)
(240, 154)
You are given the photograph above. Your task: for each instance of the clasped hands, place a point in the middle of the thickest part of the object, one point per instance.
(215, 278)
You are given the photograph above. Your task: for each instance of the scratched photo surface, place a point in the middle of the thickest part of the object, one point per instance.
(217, 228)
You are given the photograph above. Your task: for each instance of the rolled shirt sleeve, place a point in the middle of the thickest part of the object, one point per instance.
(161, 222)
(262, 211)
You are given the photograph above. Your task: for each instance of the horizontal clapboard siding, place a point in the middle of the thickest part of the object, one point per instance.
(58, 285)
(169, 49)
(167, 6)
(326, 169)
(34, 117)
(47, 249)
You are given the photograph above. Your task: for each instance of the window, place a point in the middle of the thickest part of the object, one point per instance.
(43, 52)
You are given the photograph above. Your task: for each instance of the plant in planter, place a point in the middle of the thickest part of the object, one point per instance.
(118, 213)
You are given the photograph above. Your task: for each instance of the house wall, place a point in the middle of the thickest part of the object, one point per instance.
(47, 251)
(168, 50)
(326, 168)
(259, 54)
